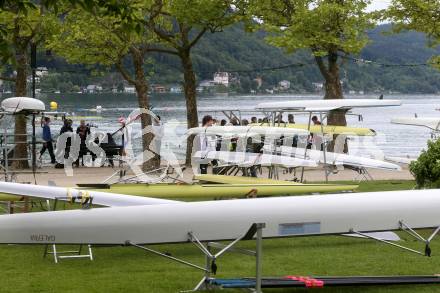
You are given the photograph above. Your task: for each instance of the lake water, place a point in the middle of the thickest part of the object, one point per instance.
(392, 139)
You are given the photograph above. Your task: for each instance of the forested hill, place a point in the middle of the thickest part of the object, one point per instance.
(235, 50)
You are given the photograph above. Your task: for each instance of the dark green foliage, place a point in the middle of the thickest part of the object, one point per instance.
(234, 49)
(426, 169)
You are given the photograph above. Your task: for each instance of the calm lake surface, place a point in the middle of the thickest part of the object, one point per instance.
(392, 139)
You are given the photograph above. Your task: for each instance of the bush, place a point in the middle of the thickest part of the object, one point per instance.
(426, 169)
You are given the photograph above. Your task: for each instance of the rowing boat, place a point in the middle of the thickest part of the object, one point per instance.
(429, 122)
(236, 190)
(327, 129)
(325, 105)
(337, 158)
(244, 159)
(226, 219)
(225, 179)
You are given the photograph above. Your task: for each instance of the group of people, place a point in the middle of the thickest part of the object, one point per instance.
(205, 144)
(109, 145)
(254, 120)
(83, 130)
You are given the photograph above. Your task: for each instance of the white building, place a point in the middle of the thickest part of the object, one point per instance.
(129, 89)
(176, 89)
(93, 88)
(206, 83)
(41, 71)
(284, 85)
(318, 85)
(221, 78)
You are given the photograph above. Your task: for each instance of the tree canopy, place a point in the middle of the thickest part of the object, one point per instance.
(328, 28)
(322, 26)
(418, 15)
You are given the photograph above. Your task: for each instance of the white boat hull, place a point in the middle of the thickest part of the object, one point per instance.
(66, 194)
(222, 220)
(326, 105)
(251, 159)
(338, 159)
(429, 122)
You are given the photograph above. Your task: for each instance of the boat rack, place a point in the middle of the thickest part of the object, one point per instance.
(271, 115)
(256, 284)
(86, 203)
(210, 269)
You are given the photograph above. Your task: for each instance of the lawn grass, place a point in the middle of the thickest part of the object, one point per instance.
(128, 269)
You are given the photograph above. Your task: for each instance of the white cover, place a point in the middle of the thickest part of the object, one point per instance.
(429, 122)
(227, 219)
(337, 158)
(326, 105)
(63, 193)
(251, 159)
(18, 104)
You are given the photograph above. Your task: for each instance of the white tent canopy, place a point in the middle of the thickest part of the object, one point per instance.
(22, 104)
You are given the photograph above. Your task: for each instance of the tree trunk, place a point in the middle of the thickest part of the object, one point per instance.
(333, 90)
(20, 139)
(151, 159)
(190, 98)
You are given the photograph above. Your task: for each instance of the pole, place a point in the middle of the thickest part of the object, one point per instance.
(324, 148)
(305, 151)
(34, 150)
(33, 66)
(259, 255)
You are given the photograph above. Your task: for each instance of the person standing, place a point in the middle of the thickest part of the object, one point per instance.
(47, 140)
(316, 139)
(83, 131)
(205, 145)
(67, 127)
(159, 132)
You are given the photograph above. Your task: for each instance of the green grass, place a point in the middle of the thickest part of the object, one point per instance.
(128, 269)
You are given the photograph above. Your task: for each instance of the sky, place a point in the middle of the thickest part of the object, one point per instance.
(379, 4)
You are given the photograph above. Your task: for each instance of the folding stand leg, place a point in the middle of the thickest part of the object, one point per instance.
(210, 267)
(73, 253)
(53, 252)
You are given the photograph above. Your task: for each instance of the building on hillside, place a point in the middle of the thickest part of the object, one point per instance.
(269, 91)
(129, 89)
(41, 71)
(259, 81)
(318, 86)
(284, 85)
(176, 89)
(221, 78)
(157, 88)
(93, 88)
(206, 86)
